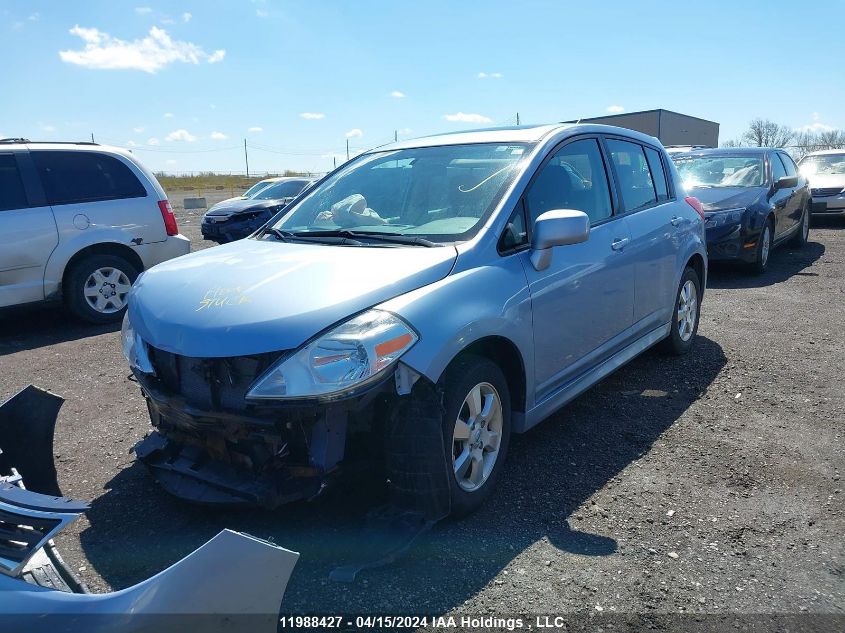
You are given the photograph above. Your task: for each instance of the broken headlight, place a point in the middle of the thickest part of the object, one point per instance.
(134, 349)
(349, 356)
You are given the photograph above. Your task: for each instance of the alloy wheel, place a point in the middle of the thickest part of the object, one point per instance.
(765, 246)
(106, 289)
(477, 436)
(687, 310)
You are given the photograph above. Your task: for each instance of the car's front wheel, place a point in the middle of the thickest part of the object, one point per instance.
(764, 248)
(686, 314)
(803, 233)
(95, 287)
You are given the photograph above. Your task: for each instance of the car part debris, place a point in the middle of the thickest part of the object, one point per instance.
(232, 582)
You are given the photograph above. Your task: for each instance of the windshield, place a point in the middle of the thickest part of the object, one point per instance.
(721, 171)
(279, 190)
(256, 188)
(439, 193)
(823, 164)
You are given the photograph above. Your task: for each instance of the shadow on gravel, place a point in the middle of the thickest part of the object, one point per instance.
(31, 327)
(551, 474)
(785, 261)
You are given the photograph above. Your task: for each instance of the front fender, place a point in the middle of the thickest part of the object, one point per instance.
(464, 307)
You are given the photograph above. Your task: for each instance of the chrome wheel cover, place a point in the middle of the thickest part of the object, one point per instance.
(105, 290)
(477, 437)
(687, 310)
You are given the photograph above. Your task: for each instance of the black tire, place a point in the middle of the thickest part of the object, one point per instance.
(680, 342)
(77, 278)
(461, 377)
(803, 234)
(762, 255)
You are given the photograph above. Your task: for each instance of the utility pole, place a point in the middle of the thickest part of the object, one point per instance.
(92, 138)
(395, 135)
(517, 118)
(246, 159)
(347, 150)
(334, 162)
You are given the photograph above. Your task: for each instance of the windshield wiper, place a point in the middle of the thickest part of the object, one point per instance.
(380, 236)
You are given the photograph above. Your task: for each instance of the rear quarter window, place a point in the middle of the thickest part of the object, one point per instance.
(70, 177)
(12, 193)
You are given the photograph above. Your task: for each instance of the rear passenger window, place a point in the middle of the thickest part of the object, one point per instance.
(791, 170)
(12, 193)
(574, 178)
(635, 179)
(70, 177)
(657, 174)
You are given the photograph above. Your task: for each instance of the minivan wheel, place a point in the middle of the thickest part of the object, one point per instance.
(685, 316)
(803, 233)
(764, 249)
(96, 287)
(476, 429)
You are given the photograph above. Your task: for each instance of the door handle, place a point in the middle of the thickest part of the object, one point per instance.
(676, 221)
(619, 243)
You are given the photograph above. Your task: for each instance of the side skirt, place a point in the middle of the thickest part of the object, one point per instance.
(580, 384)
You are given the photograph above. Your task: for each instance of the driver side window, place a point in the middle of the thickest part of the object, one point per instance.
(574, 178)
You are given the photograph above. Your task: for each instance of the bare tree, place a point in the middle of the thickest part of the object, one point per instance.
(766, 133)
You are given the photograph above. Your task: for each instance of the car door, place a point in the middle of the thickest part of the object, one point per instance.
(655, 229)
(583, 301)
(27, 231)
(780, 198)
(794, 206)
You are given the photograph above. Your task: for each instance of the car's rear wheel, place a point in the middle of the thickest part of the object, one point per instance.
(686, 314)
(803, 233)
(764, 248)
(96, 287)
(476, 429)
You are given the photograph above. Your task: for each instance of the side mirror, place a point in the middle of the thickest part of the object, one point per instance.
(559, 227)
(787, 182)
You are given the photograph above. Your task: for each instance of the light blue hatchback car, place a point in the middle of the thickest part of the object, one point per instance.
(414, 308)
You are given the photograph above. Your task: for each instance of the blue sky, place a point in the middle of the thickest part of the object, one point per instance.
(184, 82)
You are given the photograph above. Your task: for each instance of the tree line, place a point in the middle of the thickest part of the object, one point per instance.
(766, 133)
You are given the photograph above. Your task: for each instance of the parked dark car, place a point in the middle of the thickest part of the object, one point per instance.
(753, 198)
(237, 218)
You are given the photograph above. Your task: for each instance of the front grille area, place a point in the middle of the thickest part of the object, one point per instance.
(210, 383)
(826, 191)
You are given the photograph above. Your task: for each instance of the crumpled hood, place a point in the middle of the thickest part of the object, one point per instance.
(254, 296)
(237, 205)
(718, 198)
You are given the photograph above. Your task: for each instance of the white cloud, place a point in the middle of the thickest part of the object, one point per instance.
(153, 141)
(489, 75)
(261, 13)
(131, 144)
(168, 115)
(354, 133)
(143, 10)
(614, 109)
(467, 117)
(219, 136)
(312, 116)
(255, 129)
(170, 161)
(186, 17)
(396, 94)
(46, 127)
(149, 54)
(34, 17)
(816, 126)
(137, 130)
(180, 135)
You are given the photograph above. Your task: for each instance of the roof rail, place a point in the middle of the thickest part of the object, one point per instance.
(27, 141)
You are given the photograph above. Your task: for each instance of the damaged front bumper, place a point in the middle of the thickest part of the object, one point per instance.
(232, 582)
(212, 446)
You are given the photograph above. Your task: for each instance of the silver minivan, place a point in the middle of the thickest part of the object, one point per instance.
(79, 222)
(415, 308)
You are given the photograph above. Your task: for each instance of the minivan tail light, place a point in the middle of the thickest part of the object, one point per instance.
(695, 203)
(168, 217)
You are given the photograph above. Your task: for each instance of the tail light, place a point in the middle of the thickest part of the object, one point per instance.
(170, 219)
(695, 203)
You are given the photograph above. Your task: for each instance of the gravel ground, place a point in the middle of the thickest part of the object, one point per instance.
(710, 483)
